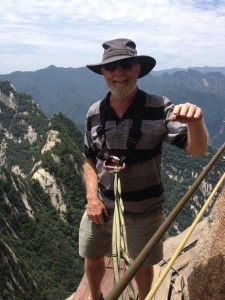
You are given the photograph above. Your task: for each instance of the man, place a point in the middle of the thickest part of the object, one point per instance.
(107, 133)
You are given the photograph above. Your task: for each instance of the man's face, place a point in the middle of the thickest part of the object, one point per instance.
(121, 77)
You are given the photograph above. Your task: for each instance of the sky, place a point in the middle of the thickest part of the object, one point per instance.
(69, 33)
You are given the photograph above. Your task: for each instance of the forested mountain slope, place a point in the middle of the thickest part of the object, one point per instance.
(41, 201)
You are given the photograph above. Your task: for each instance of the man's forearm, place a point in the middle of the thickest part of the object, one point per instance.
(192, 115)
(197, 139)
(96, 209)
(91, 180)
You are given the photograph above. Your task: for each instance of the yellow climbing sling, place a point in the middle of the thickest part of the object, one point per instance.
(119, 236)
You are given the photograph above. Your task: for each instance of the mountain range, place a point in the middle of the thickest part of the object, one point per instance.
(72, 90)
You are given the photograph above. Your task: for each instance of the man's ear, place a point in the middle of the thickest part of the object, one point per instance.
(139, 69)
(102, 71)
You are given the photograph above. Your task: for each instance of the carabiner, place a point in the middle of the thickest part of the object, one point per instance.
(114, 162)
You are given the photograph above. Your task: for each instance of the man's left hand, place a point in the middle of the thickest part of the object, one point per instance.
(186, 113)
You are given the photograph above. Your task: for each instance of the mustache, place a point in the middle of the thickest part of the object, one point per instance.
(119, 78)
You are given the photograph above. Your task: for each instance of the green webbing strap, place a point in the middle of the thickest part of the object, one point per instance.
(119, 236)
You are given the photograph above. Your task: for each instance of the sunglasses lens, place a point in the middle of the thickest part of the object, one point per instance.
(126, 64)
(111, 66)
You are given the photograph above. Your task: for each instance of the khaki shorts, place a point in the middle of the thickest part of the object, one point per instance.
(95, 239)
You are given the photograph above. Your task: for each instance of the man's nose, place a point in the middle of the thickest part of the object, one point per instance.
(118, 69)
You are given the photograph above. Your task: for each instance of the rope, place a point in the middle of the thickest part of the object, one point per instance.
(119, 236)
(183, 242)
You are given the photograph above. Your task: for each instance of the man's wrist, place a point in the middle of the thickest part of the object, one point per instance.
(93, 203)
(196, 124)
(92, 199)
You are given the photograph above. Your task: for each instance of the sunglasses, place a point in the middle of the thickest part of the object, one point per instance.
(124, 64)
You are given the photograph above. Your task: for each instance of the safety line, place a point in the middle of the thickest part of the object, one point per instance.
(119, 236)
(183, 242)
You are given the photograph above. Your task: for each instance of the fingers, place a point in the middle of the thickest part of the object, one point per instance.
(106, 212)
(96, 212)
(186, 113)
(98, 219)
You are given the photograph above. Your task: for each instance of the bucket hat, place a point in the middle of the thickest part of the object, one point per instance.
(119, 49)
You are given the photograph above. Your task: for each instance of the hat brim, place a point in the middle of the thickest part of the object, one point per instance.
(147, 64)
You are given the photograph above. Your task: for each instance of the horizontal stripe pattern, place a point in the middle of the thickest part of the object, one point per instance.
(139, 195)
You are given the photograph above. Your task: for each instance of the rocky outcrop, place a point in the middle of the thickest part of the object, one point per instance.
(206, 279)
(52, 139)
(8, 100)
(50, 186)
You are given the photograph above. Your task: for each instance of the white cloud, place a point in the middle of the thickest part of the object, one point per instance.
(35, 34)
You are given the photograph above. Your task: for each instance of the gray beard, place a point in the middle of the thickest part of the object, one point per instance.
(122, 92)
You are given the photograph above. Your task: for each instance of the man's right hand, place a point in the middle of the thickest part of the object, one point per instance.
(96, 211)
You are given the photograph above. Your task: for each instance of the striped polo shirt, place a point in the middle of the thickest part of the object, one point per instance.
(142, 190)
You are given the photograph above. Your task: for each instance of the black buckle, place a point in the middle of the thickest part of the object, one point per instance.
(134, 136)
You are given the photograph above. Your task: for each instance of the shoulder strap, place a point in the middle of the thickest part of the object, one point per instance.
(135, 131)
(101, 128)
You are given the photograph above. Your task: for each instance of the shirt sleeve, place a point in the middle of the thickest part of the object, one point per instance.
(176, 132)
(90, 150)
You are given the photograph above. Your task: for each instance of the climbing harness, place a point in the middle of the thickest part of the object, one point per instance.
(134, 134)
